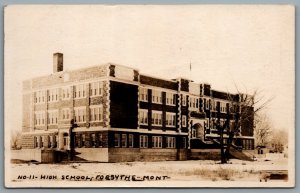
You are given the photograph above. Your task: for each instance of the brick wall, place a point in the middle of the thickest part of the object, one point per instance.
(206, 90)
(135, 154)
(87, 143)
(202, 154)
(247, 119)
(74, 75)
(123, 105)
(184, 85)
(27, 141)
(224, 95)
(158, 82)
(59, 105)
(26, 111)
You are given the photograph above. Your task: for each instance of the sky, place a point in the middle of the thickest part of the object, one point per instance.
(243, 48)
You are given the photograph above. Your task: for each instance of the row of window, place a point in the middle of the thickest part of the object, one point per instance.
(96, 140)
(221, 123)
(209, 104)
(40, 118)
(40, 141)
(248, 144)
(121, 141)
(157, 96)
(96, 115)
(95, 89)
(124, 140)
(194, 102)
(157, 118)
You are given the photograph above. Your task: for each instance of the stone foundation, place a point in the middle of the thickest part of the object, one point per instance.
(204, 154)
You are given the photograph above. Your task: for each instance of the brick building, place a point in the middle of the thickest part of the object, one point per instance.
(112, 113)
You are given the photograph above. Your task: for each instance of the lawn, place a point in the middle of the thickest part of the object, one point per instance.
(166, 173)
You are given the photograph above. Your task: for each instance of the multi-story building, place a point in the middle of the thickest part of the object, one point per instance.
(111, 113)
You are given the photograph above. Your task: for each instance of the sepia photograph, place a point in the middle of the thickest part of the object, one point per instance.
(149, 96)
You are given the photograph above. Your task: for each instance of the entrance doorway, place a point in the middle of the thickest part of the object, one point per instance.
(66, 141)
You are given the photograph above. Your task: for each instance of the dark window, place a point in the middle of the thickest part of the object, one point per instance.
(131, 140)
(117, 140)
(124, 140)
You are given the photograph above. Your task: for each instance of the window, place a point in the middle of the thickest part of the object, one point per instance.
(96, 89)
(156, 96)
(65, 93)
(250, 144)
(213, 124)
(65, 114)
(65, 141)
(52, 141)
(143, 141)
(244, 144)
(227, 108)
(214, 105)
(82, 140)
(156, 141)
(52, 117)
(183, 100)
(156, 118)
(184, 142)
(96, 113)
(39, 118)
(80, 114)
(171, 119)
(183, 120)
(222, 122)
(143, 94)
(194, 133)
(143, 117)
(53, 95)
(40, 96)
(100, 138)
(130, 140)
(207, 104)
(43, 141)
(171, 142)
(36, 142)
(194, 103)
(78, 140)
(222, 107)
(170, 99)
(117, 140)
(79, 91)
(50, 144)
(124, 140)
(93, 139)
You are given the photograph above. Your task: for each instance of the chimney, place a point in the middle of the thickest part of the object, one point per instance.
(58, 62)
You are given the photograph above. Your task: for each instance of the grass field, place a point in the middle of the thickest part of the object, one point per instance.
(168, 171)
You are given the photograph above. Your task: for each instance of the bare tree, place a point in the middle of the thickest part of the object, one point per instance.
(279, 140)
(243, 109)
(15, 140)
(262, 130)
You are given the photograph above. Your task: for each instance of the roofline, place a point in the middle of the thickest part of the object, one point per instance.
(159, 78)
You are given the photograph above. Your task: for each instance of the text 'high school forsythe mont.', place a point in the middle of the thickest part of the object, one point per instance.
(113, 113)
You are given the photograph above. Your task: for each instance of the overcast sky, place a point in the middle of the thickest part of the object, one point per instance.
(251, 47)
